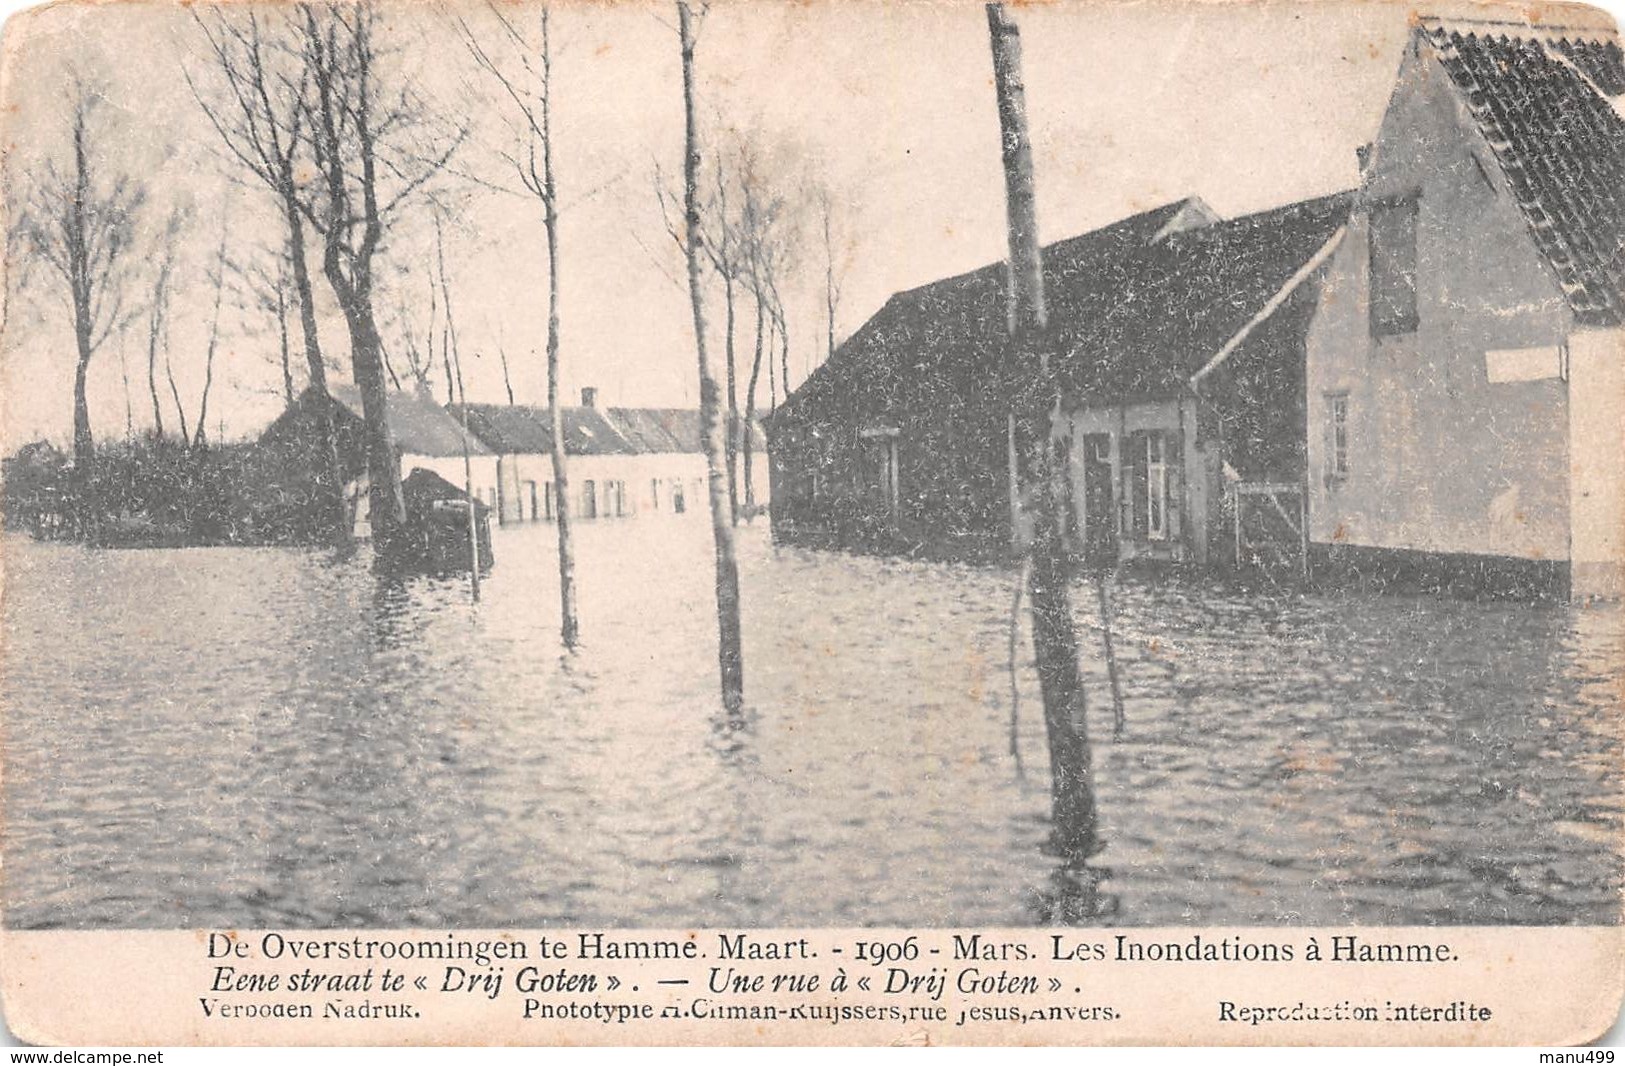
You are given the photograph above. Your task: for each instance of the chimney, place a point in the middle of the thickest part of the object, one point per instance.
(589, 397)
(1363, 155)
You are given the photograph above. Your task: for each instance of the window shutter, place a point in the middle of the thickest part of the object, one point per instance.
(1173, 456)
(1393, 266)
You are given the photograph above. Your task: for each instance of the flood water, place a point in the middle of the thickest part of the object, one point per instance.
(266, 737)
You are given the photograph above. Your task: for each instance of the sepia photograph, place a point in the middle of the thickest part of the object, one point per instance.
(530, 465)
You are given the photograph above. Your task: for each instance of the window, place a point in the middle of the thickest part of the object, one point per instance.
(547, 501)
(617, 498)
(879, 470)
(654, 494)
(1337, 436)
(677, 502)
(1156, 486)
(589, 500)
(1393, 266)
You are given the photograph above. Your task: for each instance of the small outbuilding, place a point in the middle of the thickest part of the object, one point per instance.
(291, 465)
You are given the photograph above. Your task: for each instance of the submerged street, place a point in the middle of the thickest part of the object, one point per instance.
(268, 737)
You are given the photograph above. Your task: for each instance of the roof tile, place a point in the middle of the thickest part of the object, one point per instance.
(1543, 103)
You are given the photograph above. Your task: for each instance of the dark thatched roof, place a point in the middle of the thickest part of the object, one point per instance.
(512, 429)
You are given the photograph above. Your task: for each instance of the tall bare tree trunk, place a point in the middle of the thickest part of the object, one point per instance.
(175, 393)
(153, 328)
(743, 429)
(731, 442)
(386, 508)
(730, 658)
(772, 374)
(214, 340)
(829, 284)
(129, 404)
(784, 348)
(507, 381)
(1033, 384)
(454, 377)
(353, 236)
(84, 325)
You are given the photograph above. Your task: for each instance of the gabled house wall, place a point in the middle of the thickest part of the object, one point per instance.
(902, 446)
(619, 485)
(1440, 460)
(1106, 467)
(1181, 341)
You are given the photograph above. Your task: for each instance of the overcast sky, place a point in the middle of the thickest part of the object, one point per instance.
(1247, 106)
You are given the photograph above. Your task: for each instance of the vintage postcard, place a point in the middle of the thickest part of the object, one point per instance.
(801, 523)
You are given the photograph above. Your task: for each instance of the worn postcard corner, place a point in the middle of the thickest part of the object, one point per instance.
(794, 524)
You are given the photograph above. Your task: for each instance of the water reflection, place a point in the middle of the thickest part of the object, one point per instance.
(283, 738)
(1073, 896)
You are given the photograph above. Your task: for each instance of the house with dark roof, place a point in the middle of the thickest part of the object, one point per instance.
(426, 438)
(623, 461)
(1180, 346)
(1466, 371)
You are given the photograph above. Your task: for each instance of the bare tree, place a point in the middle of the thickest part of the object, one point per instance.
(175, 391)
(724, 243)
(507, 381)
(158, 312)
(79, 221)
(768, 234)
(454, 377)
(217, 275)
(257, 110)
(723, 249)
(781, 322)
(529, 91)
(280, 290)
(263, 280)
(730, 658)
(129, 402)
(1032, 381)
(419, 354)
(373, 152)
